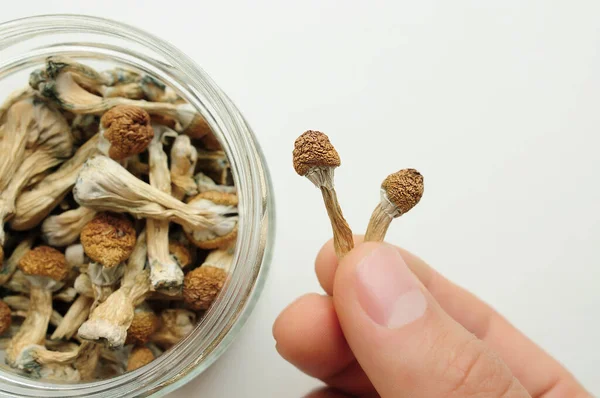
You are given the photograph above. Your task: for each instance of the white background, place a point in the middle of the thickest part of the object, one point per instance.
(495, 102)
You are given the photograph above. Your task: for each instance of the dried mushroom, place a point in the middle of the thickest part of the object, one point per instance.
(111, 187)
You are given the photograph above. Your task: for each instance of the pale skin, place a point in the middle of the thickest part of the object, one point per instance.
(445, 343)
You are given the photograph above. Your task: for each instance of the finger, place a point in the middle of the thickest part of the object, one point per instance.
(516, 350)
(327, 393)
(309, 336)
(406, 344)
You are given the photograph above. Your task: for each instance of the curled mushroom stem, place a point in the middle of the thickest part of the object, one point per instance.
(110, 320)
(34, 205)
(63, 229)
(34, 163)
(206, 184)
(105, 185)
(33, 330)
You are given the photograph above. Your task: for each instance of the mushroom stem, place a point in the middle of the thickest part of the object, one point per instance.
(165, 273)
(21, 303)
(34, 205)
(33, 330)
(343, 240)
(73, 319)
(110, 320)
(34, 164)
(103, 184)
(184, 158)
(175, 324)
(380, 220)
(10, 265)
(63, 229)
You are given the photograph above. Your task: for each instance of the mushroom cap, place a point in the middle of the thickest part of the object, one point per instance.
(313, 149)
(218, 198)
(108, 239)
(5, 317)
(140, 356)
(128, 130)
(202, 285)
(404, 188)
(143, 325)
(45, 261)
(181, 253)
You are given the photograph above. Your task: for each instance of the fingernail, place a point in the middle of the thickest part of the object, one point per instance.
(387, 289)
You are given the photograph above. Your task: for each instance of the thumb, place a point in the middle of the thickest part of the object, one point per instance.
(406, 344)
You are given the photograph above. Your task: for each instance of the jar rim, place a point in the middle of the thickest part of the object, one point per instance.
(256, 209)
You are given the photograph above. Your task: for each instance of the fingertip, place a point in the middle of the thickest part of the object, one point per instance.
(326, 264)
(308, 335)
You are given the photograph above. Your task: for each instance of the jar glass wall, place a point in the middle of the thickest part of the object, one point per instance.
(24, 46)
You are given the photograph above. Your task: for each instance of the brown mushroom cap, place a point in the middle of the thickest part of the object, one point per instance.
(45, 261)
(143, 325)
(108, 239)
(219, 198)
(5, 317)
(313, 149)
(202, 285)
(404, 188)
(128, 130)
(140, 356)
(181, 253)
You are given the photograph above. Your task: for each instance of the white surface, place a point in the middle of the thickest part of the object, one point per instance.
(496, 103)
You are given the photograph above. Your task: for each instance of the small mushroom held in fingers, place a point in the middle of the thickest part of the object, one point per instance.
(140, 356)
(400, 192)
(202, 285)
(124, 131)
(108, 240)
(316, 159)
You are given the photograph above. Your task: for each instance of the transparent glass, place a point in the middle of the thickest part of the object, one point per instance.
(24, 45)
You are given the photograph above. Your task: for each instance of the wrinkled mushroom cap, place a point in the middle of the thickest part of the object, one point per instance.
(143, 325)
(181, 253)
(140, 356)
(202, 285)
(128, 130)
(45, 261)
(313, 149)
(218, 198)
(404, 189)
(5, 317)
(108, 239)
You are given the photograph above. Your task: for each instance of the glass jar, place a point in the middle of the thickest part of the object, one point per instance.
(24, 45)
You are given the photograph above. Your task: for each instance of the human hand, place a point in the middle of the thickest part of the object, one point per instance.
(391, 326)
